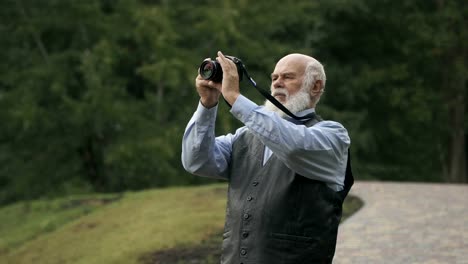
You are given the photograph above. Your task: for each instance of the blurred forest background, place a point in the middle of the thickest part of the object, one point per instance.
(95, 94)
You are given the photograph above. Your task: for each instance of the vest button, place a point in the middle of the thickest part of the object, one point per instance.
(246, 216)
(250, 198)
(255, 183)
(245, 234)
(243, 252)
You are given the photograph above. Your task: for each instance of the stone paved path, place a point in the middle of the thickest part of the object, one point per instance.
(404, 223)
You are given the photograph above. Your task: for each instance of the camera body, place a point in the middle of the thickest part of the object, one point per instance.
(211, 69)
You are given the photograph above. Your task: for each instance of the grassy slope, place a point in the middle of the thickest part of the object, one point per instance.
(120, 232)
(24, 221)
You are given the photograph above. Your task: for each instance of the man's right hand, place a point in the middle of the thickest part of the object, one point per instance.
(209, 91)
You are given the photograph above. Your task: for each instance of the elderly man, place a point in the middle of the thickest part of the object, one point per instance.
(287, 179)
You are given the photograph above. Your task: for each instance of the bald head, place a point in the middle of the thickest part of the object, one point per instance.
(295, 58)
(298, 71)
(307, 65)
(293, 63)
(297, 82)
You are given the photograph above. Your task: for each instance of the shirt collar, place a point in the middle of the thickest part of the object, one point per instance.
(300, 113)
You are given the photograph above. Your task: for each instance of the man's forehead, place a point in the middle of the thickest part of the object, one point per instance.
(289, 66)
(292, 73)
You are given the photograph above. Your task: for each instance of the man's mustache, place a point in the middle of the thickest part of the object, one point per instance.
(279, 91)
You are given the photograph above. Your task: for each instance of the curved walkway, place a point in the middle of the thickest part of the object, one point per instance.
(404, 223)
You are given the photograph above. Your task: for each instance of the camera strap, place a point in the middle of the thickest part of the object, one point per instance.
(269, 97)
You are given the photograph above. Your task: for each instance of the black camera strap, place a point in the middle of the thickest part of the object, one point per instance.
(273, 100)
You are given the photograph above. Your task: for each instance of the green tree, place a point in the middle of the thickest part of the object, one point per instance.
(95, 94)
(406, 66)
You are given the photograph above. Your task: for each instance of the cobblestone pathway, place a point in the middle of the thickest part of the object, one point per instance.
(404, 223)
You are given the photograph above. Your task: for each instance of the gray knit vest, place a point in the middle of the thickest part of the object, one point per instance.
(275, 216)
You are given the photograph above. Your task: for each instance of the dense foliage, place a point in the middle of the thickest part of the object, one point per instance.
(95, 94)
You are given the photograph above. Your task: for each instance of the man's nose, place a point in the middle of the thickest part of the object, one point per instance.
(278, 83)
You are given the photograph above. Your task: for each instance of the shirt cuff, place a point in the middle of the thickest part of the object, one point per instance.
(205, 115)
(242, 108)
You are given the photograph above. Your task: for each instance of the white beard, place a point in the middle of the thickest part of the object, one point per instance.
(294, 103)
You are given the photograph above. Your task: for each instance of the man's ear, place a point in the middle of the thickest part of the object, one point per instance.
(318, 85)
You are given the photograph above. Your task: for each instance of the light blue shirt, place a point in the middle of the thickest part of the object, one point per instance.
(319, 152)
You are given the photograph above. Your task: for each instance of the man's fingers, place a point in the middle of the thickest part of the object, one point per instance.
(225, 62)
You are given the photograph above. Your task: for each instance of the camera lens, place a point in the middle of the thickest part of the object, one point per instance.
(211, 70)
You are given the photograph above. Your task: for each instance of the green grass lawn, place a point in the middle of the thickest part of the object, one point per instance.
(133, 227)
(24, 221)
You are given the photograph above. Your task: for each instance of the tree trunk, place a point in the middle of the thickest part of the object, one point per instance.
(457, 152)
(91, 157)
(160, 102)
(455, 86)
(457, 83)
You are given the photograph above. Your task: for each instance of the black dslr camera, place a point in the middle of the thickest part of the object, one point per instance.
(211, 69)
